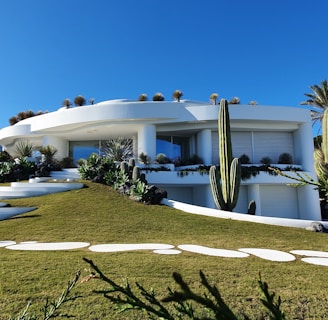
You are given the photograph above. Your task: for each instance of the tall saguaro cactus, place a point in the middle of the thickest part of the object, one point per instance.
(225, 185)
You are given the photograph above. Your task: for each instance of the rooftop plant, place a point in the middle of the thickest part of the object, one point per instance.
(143, 97)
(23, 115)
(177, 94)
(234, 100)
(213, 98)
(158, 97)
(79, 101)
(67, 103)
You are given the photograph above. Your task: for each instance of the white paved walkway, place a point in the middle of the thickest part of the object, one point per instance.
(307, 256)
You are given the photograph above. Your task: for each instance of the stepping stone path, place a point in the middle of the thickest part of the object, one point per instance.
(309, 256)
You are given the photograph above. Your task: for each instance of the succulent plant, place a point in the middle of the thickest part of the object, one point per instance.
(225, 185)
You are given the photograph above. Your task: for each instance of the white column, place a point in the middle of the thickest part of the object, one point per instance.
(60, 144)
(308, 198)
(304, 146)
(204, 146)
(147, 141)
(192, 146)
(308, 203)
(253, 191)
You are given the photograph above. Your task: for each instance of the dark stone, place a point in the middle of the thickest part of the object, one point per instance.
(155, 195)
(317, 227)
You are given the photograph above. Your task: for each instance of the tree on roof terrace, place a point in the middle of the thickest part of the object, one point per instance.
(158, 97)
(66, 103)
(79, 101)
(177, 94)
(213, 98)
(143, 97)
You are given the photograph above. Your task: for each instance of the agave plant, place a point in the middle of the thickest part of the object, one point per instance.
(48, 152)
(118, 149)
(23, 148)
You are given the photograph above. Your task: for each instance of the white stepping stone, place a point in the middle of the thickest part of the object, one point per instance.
(310, 253)
(317, 261)
(269, 254)
(213, 251)
(168, 251)
(47, 246)
(129, 247)
(6, 243)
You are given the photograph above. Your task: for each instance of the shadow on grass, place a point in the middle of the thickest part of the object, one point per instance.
(25, 217)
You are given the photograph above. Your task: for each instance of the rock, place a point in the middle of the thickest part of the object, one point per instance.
(317, 227)
(155, 195)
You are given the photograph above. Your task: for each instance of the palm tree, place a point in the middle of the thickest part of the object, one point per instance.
(317, 99)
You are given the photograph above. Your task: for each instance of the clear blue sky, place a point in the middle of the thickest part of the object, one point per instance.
(270, 51)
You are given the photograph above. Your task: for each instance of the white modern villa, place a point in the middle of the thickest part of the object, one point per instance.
(181, 130)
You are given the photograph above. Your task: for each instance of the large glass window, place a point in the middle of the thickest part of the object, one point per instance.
(83, 149)
(173, 147)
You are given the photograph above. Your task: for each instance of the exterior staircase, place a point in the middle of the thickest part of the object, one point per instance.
(61, 181)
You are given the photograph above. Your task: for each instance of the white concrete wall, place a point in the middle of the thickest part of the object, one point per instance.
(144, 120)
(60, 144)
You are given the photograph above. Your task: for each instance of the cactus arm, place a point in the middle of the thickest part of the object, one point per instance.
(135, 173)
(235, 178)
(216, 188)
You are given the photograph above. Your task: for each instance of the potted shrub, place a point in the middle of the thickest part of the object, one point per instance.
(266, 160)
(244, 159)
(143, 97)
(79, 101)
(144, 158)
(158, 97)
(285, 158)
(234, 100)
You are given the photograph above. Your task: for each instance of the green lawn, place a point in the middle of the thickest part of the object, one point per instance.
(97, 214)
